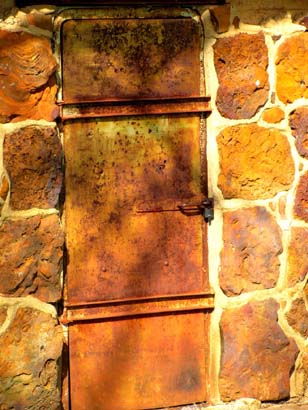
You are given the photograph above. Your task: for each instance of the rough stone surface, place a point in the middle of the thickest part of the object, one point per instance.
(30, 258)
(4, 189)
(301, 375)
(30, 349)
(297, 317)
(27, 85)
(32, 158)
(246, 262)
(3, 314)
(291, 69)
(255, 162)
(297, 263)
(298, 121)
(220, 17)
(4, 186)
(266, 11)
(301, 198)
(40, 20)
(241, 63)
(273, 115)
(257, 357)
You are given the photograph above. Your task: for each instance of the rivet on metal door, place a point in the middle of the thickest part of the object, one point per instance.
(136, 210)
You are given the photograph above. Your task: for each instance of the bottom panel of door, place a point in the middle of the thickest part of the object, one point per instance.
(138, 363)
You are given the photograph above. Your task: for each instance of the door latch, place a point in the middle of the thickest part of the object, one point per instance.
(205, 207)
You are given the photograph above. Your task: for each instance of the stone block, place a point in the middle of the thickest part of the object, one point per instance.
(291, 69)
(264, 12)
(297, 317)
(273, 115)
(301, 198)
(297, 263)
(27, 84)
(4, 187)
(298, 121)
(255, 162)
(32, 158)
(246, 262)
(31, 257)
(41, 20)
(220, 16)
(241, 62)
(257, 357)
(30, 348)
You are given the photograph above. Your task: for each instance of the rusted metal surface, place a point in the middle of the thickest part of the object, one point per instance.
(130, 59)
(104, 310)
(140, 107)
(138, 363)
(138, 293)
(113, 168)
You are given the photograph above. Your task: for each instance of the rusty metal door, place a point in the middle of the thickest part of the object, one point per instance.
(137, 284)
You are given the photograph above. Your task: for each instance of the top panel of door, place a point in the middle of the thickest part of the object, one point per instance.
(130, 59)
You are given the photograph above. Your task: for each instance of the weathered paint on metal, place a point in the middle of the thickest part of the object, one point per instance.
(130, 59)
(138, 363)
(113, 168)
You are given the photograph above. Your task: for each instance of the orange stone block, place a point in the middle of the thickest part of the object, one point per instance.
(297, 264)
(4, 187)
(241, 63)
(31, 257)
(273, 115)
(298, 121)
(291, 69)
(255, 162)
(33, 160)
(247, 263)
(257, 357)
(30, 350)
(27, 84)
(220, 16)
(301, 198)
(297, 317)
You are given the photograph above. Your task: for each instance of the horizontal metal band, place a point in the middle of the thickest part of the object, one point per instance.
(119, 2)
(134, 107)
(135, 307)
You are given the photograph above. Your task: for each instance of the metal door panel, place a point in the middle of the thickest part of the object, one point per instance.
(124, 180)
(138, 363)
(137, 295)
(130, 59)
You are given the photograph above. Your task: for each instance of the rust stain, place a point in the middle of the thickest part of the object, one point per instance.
(141, 363)
(130, 59)
(137, 284)
(136, 281)
(112, 168)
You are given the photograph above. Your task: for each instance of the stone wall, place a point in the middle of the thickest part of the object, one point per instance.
(257, 77)
(257, 157)
(31, 237)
